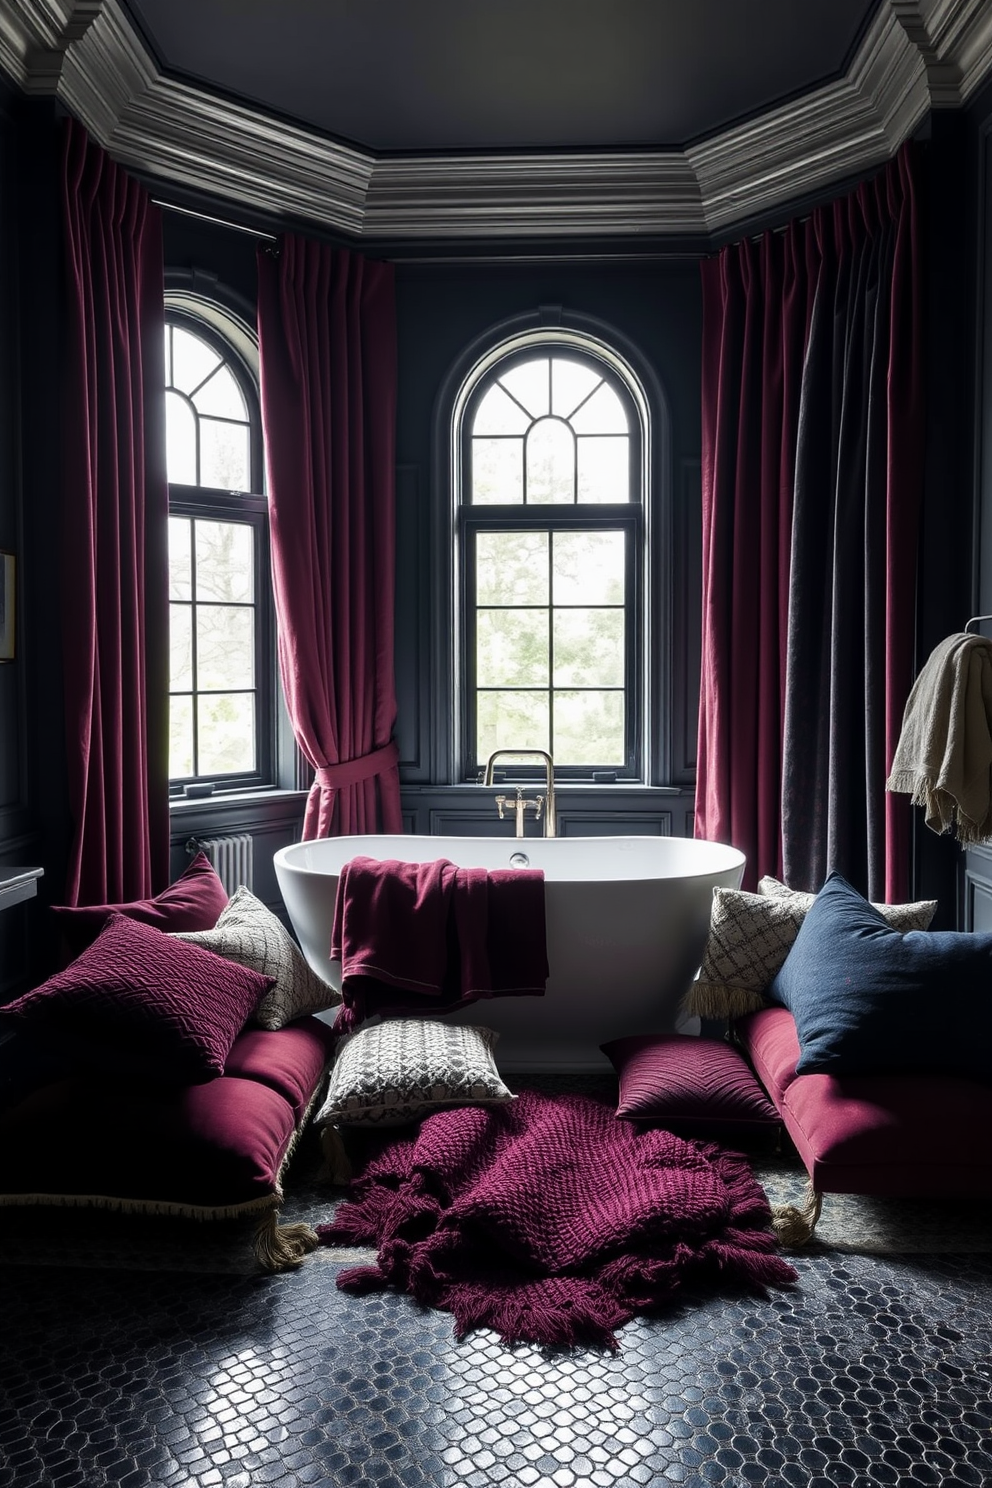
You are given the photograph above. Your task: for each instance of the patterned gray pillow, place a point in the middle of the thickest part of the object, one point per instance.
(902, 917)
(750, 937)
(249, 933)
(399, 1070)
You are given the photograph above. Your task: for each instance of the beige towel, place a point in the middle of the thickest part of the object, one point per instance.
(944, 755)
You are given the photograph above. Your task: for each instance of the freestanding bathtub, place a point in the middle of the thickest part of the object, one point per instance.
(626, 920)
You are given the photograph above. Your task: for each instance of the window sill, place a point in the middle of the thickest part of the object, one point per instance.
(222, 801)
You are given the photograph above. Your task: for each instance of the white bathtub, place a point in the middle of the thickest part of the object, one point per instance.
(627, 919)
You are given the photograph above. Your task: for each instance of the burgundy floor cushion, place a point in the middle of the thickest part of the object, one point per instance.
(911, 1135)
(693, 1086)
(213, 1149)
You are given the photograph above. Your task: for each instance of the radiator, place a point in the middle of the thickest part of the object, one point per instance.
(232, 858)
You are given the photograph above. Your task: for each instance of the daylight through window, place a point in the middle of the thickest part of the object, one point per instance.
(216, 537)
(550, 527)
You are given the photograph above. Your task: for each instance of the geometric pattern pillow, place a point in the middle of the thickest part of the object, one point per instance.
(750, 937)
(399, 1070)
(249, 933)
(140, 1002)
(901, 917)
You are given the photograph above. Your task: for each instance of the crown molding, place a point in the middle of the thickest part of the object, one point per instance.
(916, 55)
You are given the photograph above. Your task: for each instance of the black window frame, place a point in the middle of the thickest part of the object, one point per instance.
(208, 503)
(628, 517)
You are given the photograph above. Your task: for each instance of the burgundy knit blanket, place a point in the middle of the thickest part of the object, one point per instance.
(553, 1222)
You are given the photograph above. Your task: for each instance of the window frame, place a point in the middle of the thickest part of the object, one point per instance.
(631, 517)
(231, 340)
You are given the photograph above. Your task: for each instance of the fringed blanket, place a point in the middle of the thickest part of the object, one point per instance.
(553, 1222)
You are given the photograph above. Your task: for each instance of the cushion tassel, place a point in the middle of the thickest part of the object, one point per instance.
(282, 1247)
(794, 1226)
(337, 1164)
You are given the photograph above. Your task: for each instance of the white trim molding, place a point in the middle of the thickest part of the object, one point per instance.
(916, 55)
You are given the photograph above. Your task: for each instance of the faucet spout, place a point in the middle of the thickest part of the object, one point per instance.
(550, 818)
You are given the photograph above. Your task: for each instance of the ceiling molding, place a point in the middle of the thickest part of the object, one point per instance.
(915, 55)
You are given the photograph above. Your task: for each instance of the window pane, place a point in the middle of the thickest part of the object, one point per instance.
(180, 441)
(512, 720)
(603, 414)
(180, 737)
(181, 647)
(550, 463)
(221, 395)
(224, 456)
(512, 648)
(192, 360)
(498, 414)
(604, 468)
(588, 648)
(226, 734)
(588, 728)
(180, 571)
(225, 553)
(588, 568)
(571, 383)
(511, 568)
(497, 472)
(225, 647)
(528, 383)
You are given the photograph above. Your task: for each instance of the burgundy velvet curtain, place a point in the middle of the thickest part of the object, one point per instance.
(114, 588)
(327, 343)
(812, 484)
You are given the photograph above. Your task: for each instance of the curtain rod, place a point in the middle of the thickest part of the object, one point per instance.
(253, 232)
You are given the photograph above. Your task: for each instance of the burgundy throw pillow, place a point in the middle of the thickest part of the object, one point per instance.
(194, 902)
(696, 1086)
(139, 1001)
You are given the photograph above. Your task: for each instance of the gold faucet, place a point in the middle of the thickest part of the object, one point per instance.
(519, 805)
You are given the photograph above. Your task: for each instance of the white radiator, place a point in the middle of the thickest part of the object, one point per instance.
(232, 858)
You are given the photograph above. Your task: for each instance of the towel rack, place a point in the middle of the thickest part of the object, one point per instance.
(976, 620)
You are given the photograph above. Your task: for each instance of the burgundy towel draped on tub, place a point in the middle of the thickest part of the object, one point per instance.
(431, 937)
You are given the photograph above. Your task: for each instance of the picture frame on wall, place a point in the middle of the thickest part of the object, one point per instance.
(7, 606)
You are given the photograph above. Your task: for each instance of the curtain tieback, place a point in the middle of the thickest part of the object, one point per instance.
(353, 772)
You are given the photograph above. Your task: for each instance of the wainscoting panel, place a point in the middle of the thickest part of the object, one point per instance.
(618, 824)
(978, 891)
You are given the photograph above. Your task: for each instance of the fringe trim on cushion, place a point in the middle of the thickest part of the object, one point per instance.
(282, 1247)
(167, 1207)
(794, 1226)
(720, 1000)
(337, 1169)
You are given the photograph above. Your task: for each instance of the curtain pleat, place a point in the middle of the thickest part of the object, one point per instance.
(799, 786)
(114, 524)
(327, 351)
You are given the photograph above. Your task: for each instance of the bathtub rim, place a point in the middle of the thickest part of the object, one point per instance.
(730, 857)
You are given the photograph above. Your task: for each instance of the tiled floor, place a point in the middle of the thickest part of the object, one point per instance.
(169, 1364)
(159, 1359)
(870, 1371)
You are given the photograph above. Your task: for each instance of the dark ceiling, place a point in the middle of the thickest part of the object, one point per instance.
(441, 76)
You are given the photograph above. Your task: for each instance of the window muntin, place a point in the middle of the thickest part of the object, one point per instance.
(217, 560)
(551, 544)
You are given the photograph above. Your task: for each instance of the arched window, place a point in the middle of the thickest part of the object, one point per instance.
(220, 686)
(550, 552)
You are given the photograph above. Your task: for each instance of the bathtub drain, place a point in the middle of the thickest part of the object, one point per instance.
(519, 860)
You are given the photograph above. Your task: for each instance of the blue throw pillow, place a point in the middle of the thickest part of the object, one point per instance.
(869, 1000)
